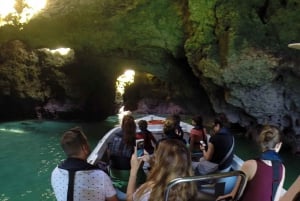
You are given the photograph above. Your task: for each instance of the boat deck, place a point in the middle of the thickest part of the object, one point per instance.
(155, 125)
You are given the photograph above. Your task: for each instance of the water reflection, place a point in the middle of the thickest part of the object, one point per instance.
(11, 130)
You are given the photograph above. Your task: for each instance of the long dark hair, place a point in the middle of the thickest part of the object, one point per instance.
(198, 121)
(129, 130)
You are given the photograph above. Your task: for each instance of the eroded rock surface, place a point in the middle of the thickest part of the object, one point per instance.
(228, 56)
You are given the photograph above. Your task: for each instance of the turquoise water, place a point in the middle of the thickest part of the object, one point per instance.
(30, 150)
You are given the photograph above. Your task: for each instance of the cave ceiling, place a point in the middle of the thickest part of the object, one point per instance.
(233, 56)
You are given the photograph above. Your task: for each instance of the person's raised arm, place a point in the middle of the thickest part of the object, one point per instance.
(135, 164)
(207, 154)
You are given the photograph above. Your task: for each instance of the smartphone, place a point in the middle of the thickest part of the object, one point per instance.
(202, 143)
(139, 147)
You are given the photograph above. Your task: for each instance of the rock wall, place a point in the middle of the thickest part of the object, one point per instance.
(235, 51)
(37, 83)
(243, 62)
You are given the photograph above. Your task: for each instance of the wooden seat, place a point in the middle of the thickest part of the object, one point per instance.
(203, 195)
(293, 193)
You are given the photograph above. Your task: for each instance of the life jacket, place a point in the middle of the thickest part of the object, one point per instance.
(72, 165)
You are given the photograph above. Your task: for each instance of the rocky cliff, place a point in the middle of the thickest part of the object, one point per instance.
(203, 56)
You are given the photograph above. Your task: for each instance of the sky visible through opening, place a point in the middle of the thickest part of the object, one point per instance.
(126, 79)
(19, 11)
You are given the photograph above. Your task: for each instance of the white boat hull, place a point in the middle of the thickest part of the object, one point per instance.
(156, 129)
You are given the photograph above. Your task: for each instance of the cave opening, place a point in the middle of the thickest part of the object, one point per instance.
(122, 82)
(146, 93)
(16, 12)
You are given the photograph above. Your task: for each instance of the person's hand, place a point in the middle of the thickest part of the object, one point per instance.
(146, 156)
(226, 197)
(135, 162)
(202, 147)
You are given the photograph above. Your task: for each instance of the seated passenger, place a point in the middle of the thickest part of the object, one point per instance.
(170, 130)
(147, 136)
(197, 134)
(120, 150)
(68, 180)
(265, 174)
(178, 130)
(171, 160)
(220, 150)
(220, 143)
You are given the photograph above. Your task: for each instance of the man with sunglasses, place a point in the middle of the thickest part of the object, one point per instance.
(75, 179)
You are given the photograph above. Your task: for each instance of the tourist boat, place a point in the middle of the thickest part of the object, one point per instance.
(155, 125)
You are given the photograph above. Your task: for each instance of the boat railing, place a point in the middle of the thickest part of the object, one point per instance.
(102, 145)
(204, 178)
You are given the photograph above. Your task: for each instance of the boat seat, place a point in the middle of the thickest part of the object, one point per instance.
(196, 156)
(293, 193)
(206, 196)
(220, 186)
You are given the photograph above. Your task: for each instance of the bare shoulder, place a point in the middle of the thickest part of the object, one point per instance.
(249, 168)
(249, 162)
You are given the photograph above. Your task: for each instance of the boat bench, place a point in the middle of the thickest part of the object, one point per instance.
(218, 188)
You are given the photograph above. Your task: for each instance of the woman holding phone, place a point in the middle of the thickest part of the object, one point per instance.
(120, 150)
(153, 189)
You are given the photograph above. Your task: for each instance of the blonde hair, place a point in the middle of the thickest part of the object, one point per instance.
(269, 137)
(169, 126)
(171, 160)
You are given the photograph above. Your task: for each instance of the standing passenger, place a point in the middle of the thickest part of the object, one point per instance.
(75, 179)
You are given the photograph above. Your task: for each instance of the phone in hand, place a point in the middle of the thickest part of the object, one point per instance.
(139, 147)
(202, 143)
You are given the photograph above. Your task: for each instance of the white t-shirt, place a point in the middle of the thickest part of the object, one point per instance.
(92, 185)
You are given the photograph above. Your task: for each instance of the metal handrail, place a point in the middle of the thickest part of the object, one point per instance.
(240, 190)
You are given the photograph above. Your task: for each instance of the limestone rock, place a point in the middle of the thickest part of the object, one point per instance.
(227, 56)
